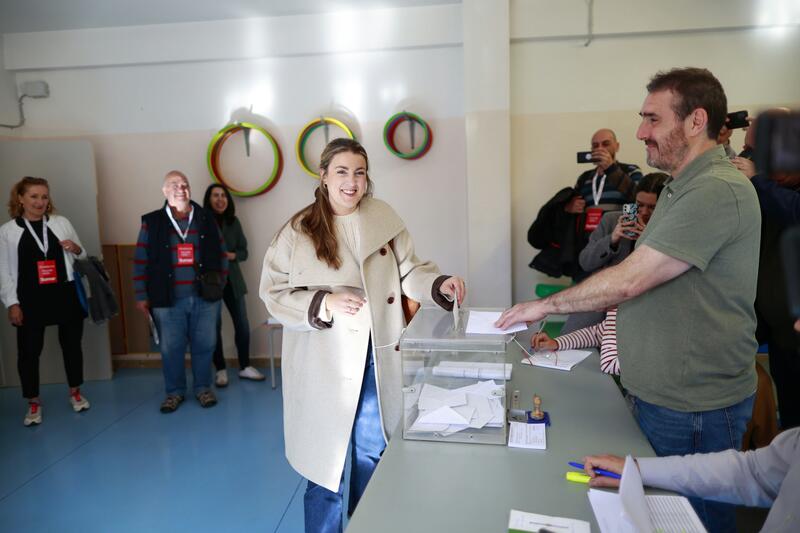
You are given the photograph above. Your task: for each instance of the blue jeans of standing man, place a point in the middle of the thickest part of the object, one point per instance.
(323, 508)
(193, 321)
(678, 433)
(241, 330)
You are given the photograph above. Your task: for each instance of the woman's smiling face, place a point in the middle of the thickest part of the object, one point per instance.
(346, 180)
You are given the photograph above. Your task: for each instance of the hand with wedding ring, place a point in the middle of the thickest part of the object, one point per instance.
(344, 302)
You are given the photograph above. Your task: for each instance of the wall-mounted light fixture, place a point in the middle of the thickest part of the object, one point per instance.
(29, 89)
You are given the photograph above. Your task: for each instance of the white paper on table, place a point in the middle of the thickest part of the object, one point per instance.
(631, 511)
(433, 397)
(523, 521)
(565, 360)
(482, 323)
(531, 436)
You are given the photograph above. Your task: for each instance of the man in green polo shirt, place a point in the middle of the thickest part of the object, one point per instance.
(686, 323)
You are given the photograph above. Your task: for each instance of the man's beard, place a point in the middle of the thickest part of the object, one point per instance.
(670, 152)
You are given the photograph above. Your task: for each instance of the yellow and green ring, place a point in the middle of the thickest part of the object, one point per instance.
(215, 147)
(306, 132)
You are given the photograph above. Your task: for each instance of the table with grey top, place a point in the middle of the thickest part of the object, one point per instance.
(422, 486)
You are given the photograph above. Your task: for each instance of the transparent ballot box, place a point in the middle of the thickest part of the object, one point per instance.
(454, 384)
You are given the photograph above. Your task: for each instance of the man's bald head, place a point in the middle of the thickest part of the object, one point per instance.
(606, 139)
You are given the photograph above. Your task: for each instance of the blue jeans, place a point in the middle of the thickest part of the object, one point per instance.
(678, 433)
(193, 321)
(323, 508)
(241, 330)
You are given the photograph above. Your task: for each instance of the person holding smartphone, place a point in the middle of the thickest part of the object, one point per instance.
(616, 236)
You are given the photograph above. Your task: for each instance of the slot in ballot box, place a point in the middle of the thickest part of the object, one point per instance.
(454, 384)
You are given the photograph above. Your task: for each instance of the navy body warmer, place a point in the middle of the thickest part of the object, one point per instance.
(159, 255)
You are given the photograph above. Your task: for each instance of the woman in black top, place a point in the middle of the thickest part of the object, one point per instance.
(37, 249)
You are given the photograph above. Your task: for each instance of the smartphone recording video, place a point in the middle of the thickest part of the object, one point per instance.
(585, 157)
(737, 119)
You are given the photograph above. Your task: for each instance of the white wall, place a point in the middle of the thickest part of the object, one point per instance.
(8, 95)
(561, 91)
(160, 113)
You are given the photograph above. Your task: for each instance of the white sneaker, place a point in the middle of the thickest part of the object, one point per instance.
(250, 372)
(34, 414)
(222, 378)
(79, 403)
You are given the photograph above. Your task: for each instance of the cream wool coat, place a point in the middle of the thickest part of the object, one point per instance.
(323, 369)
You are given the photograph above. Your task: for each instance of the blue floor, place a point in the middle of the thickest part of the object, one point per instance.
(123, 466)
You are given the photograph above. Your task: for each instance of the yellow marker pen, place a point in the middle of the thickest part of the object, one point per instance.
(578, 477)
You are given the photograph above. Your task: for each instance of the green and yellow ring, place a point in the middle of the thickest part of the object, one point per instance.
(306, 132)
(391, 126)
(215, 146)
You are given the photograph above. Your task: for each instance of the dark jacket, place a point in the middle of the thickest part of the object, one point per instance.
(235, 241)
(559, 235)
(102, 304)
(621, 179)
(159, 255)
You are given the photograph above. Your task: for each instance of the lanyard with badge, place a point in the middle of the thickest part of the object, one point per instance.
(595, 214)
(185, 249)
(46, 269)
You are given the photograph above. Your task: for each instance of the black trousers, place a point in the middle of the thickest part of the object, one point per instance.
(30, 341)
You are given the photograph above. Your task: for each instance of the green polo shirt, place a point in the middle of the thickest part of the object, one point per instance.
(689, 344)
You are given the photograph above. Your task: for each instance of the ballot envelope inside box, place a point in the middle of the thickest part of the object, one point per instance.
(454, 383)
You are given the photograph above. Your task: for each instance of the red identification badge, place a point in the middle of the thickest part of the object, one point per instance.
(47, 272)
(186, 254)
(593, 217)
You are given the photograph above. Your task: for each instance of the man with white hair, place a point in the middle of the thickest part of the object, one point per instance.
(179, 272)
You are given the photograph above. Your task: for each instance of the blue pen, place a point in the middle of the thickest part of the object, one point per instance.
(599, 471)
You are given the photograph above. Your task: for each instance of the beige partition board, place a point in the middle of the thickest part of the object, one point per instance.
(70, 168)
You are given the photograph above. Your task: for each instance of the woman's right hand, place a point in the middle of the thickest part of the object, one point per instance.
(15, 315)
(344, 302)
(542, 341)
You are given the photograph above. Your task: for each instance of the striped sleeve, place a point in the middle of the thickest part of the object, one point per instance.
(588, 337)
(140, 265)
(609, 360)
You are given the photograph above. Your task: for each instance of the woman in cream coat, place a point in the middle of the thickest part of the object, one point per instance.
(334, 276)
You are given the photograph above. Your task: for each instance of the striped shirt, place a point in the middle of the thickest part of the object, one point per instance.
(603, 335)
(183, 281)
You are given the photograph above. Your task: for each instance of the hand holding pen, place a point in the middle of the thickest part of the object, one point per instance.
(605, 470)
(542, 341)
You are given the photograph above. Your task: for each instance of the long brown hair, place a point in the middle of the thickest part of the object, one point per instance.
(20, 188)
(316, 219)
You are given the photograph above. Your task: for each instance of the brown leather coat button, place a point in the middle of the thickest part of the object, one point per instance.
(390, 300)
(383, 251)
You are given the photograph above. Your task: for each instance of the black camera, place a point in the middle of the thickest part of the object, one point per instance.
(585, 157)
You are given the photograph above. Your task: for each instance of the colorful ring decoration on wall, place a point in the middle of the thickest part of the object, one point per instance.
(306, 132)
(391, 126)
(215, 147)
